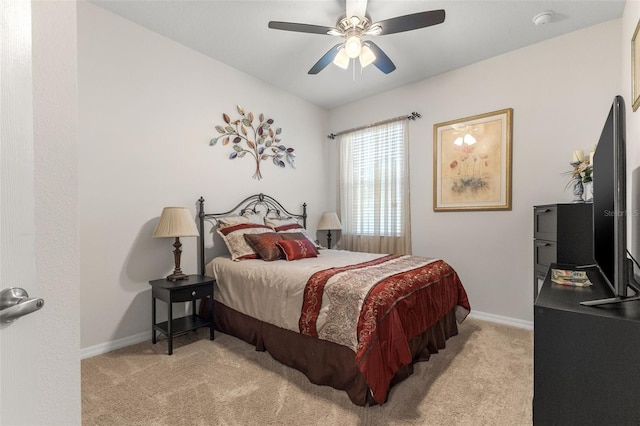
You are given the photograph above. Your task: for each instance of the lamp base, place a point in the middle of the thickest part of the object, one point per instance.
(177, 276)
(177, 272)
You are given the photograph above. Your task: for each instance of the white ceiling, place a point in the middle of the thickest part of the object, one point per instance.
(236, 33)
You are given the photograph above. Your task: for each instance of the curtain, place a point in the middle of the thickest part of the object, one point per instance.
(374, 189)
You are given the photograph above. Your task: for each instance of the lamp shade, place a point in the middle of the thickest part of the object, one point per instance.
(328, 221)
(176, 222)
(352, 47)
(366, 56)
(342, 59)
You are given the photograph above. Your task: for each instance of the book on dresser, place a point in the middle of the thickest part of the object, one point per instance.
(562, 233)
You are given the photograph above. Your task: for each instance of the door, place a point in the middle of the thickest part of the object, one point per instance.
(19, 375)
(39, 250)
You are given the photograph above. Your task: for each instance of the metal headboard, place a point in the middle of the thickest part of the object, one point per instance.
(251, 203)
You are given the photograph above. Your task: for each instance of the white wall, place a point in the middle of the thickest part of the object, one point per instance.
(148, 107)
(560, 91)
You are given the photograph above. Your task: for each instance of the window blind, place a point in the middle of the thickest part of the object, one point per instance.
(377, 180)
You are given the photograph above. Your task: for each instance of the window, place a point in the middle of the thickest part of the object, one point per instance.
(374, 189)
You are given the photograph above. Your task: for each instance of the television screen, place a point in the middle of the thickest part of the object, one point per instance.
(610, 209)
(605, 213)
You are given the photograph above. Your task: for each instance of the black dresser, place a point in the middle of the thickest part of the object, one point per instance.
(562, 233)
(586, 358)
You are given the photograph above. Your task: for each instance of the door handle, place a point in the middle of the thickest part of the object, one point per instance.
(15, 302)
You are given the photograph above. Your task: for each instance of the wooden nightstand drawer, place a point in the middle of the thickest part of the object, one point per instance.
(189, 294)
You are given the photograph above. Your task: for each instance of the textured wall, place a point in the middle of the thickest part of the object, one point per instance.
(148, 107)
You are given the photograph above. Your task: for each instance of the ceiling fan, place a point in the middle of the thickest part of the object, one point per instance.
(354, 27)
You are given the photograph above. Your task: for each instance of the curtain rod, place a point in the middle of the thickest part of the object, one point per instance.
(413, 116)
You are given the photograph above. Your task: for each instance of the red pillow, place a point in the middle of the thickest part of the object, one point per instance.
(295, 228)
(297, 249)
(296, 236)
(265, 245)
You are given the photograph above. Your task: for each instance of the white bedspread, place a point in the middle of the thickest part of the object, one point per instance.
(273, 291)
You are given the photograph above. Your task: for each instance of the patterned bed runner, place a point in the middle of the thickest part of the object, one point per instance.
(376, 307)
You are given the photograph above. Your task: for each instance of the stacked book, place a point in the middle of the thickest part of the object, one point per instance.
(573, 278)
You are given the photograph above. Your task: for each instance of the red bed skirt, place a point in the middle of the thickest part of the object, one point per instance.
(324, 362)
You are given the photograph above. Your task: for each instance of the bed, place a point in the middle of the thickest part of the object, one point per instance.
(353, 321)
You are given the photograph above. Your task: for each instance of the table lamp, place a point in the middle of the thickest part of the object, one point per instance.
(176, 222)
(329, 221)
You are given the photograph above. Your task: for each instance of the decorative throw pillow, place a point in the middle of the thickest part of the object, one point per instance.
(296, 227)
(265, 245)
(296, 236)
(233, 237)
(297, 249)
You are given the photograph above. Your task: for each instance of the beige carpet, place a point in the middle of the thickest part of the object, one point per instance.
(483, 377)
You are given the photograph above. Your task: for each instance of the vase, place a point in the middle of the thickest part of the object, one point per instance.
(588, 192)
(578, 190)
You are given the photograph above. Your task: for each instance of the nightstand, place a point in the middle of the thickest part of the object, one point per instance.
(187, 290)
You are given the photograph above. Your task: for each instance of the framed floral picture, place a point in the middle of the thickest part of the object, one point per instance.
(635, 68)
(472, 162)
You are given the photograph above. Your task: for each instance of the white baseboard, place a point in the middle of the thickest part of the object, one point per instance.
(103, 348)
(514, 322)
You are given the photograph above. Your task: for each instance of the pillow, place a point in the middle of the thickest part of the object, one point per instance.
(296, 236)
(253, 217)
(297, 228)
(265, 245)
(280, 221)
(236, 219)
(297, 249)
(233, 237)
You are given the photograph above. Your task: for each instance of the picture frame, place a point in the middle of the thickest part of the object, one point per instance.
(472, 162)
(635, 68)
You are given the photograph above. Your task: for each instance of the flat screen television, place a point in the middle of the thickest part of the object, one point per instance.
(610, 209)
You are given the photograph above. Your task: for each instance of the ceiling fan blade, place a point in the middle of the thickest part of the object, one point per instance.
(382, 62)
(411, 22)
(356, 8)
(325, 60)
(300, 28)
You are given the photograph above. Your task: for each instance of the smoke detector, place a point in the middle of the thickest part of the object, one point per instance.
(543, 17)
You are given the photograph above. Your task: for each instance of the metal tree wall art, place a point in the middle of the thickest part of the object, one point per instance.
(254, 137)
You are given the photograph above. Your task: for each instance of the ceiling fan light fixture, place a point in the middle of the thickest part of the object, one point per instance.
(354, 25)
(353, 46)
(342, 59)
(366, 56)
